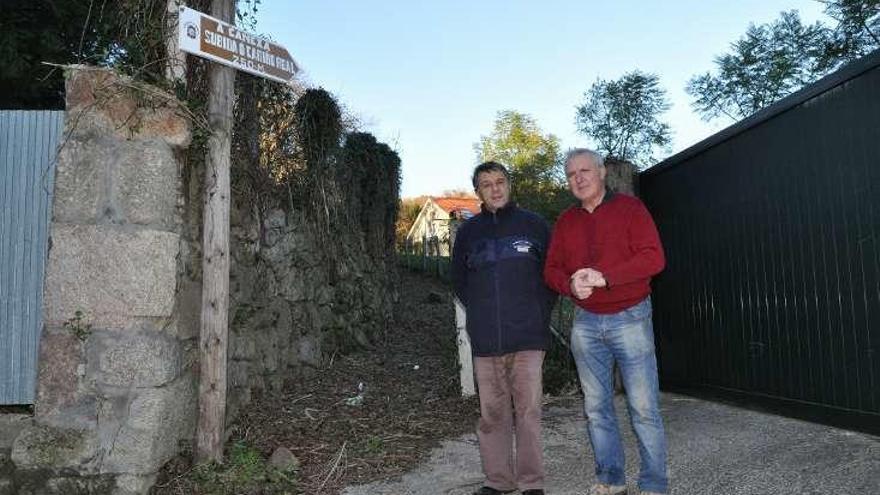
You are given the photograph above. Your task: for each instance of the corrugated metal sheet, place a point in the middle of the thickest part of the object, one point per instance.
(772, 288)
(28, 142)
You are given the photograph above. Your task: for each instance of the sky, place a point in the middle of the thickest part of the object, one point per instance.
(428, 78)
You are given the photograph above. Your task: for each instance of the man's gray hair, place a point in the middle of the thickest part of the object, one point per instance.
(573, 153)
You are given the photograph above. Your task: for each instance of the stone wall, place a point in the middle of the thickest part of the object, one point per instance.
(290, 305)
(117, 384)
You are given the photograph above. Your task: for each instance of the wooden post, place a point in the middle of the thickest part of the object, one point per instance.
(175, 65)
(213, 339)
(465, 357)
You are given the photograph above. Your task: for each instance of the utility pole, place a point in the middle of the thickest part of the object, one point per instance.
(213, 337)
(175, 66)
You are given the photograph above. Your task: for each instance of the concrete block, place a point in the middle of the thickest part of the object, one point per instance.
(111, 275)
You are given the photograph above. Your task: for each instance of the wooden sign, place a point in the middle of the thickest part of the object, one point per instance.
(213, 39)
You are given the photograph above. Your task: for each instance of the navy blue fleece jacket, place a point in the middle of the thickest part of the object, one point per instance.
(497, 266)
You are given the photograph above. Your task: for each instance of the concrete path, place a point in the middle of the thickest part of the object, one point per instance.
(713, 449)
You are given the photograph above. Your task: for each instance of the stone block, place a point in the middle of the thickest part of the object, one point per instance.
(294, 286)
(111, 275)
(274, 382)
(81, 180)
(143, 359)
(284, 460)
(310, 351)
(61, 353)
(6, 487)
(10, 427)
(87, 485)
(241, 346)
(43, 446)
(189, 309)
(146, 182)
(149, 436)
(239, 372)
(275, 219)
(168, 124)
(127, 484)
(101, 102)
(238, 398)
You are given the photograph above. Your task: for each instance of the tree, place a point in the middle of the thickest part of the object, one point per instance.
(128, 35)
(858, 27)
(622, 117)
(769, 62)
(532, 157)
(774, 60)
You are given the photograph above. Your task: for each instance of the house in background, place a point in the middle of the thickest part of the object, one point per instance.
(433, 231)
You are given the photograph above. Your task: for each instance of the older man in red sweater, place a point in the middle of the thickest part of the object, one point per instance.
(602, 254)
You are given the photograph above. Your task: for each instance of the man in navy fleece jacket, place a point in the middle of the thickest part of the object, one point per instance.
(497, 264)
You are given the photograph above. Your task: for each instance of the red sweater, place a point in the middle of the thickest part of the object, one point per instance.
(619, 239)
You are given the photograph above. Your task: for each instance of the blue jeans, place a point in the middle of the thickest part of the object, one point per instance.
(597, 341)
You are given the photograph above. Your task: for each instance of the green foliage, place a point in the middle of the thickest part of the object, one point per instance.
(245, 471)
(318, 127)
(560, 372)
(375, 445)
(622, 117)
(858, 27)
(532, 157)
(769, 62)
(370, 176)
(78, 327)
(127, 35)
(774, 60)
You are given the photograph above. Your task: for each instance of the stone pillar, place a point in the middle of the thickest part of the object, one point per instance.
(622, 176)
(115, 392)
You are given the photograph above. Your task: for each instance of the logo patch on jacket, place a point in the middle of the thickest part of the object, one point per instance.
(522, 246)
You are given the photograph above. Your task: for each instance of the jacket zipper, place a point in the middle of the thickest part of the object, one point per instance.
(495, 277)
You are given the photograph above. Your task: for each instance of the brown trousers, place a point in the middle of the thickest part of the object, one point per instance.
(510, 405)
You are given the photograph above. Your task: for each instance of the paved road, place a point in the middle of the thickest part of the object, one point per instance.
(714, 449)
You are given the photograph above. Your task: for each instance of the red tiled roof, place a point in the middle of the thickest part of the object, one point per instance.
(458, 204)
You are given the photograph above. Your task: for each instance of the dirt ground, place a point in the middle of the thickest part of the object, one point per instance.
(370, 415)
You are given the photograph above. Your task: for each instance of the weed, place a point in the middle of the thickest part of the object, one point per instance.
(245, 472)
(77, 327)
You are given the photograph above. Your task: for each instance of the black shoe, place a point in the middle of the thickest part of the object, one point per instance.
(533, 491)
(488, 490)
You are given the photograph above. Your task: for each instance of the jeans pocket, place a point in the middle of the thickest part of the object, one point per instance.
(639, 311)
